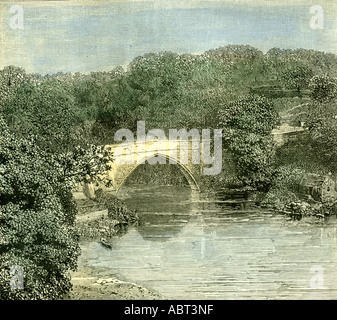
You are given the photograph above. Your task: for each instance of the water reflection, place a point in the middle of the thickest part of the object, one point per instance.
(191, 250)
(161, 227)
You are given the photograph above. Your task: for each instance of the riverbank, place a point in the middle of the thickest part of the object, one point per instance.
(95, 222)
(103, 217)
(101, 284)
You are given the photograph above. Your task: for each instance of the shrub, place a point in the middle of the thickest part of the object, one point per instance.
(247, 124)
(323, 88)
(36, 221)
(284, 189)
(117, 209)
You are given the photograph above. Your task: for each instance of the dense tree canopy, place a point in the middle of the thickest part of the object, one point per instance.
(11, 78)
(322, 124)
(323, 88)
(45, 112)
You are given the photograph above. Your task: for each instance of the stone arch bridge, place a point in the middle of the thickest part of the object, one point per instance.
(160, 151)
(192, 157)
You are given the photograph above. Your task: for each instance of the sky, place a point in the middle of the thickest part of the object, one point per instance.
(96, 35)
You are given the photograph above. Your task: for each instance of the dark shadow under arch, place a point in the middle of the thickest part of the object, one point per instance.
(184, 170)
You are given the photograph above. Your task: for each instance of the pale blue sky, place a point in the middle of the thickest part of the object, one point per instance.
(102, 36)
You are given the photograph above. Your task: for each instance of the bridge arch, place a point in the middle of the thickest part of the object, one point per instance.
(183, 168)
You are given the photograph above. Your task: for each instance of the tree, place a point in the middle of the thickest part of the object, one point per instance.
(296, 76)
(247, 126)
(254, 156)
(322, 125)
(46, 113)
(323, 88)
(11, 78)
(232, 54)
(36, 223)
(37, 213)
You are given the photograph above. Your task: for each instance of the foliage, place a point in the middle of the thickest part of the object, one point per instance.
(57, 118)
(323, 88)
(322, 125)
(165, 89)
(232, 54)
(11, 78)
(117, 220)
(285, 186)
(37, 216)
(253, 113)
(296, 76)
(38, 213)
(301, 154)
(157, 174)
(288, 177)
(45, 112)
(285, 195)
(247, 126)
(117, 210)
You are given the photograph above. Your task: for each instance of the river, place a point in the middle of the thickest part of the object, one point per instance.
(187, 247)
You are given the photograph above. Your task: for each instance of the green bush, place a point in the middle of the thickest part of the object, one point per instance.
(36, 221)
(323, 88)
(247, 124)
(285, 187)
(117, 209)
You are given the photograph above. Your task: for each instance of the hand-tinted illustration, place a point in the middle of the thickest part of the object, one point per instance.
(168, 150)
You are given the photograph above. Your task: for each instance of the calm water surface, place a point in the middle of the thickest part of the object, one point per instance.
(190, 248)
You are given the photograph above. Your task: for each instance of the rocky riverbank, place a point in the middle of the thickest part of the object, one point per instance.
(103, 217)
(100, 284)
